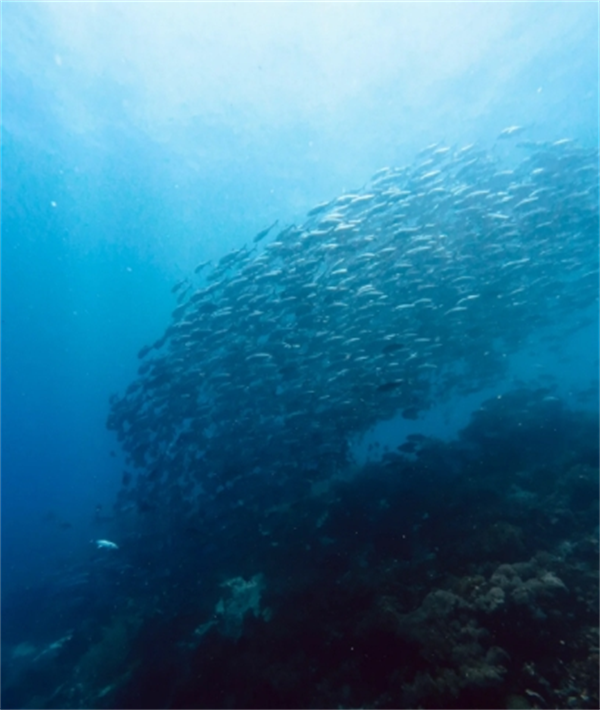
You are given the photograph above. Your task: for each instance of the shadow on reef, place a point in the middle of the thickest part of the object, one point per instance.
(447, 575)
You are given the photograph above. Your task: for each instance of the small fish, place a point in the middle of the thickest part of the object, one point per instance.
(144, 351)
(510, 131)
(201, 266)
(178, 285)
(263, 234)
(318, 209)
(107, 544)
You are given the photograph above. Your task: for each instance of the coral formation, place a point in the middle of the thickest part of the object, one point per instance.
(455, 576)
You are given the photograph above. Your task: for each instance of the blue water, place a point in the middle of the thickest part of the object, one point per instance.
(141, 139)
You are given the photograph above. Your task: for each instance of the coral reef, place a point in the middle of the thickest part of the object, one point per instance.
(461, 575)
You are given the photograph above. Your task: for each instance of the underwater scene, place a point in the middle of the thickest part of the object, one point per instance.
(300, 355)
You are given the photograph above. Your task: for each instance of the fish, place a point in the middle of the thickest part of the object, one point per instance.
(511, 131)
(362, 311)
(179, 285)
(261, 235)
(106, 545)
(201, 266)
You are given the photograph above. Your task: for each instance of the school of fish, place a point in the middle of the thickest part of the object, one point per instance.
(387, 300)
